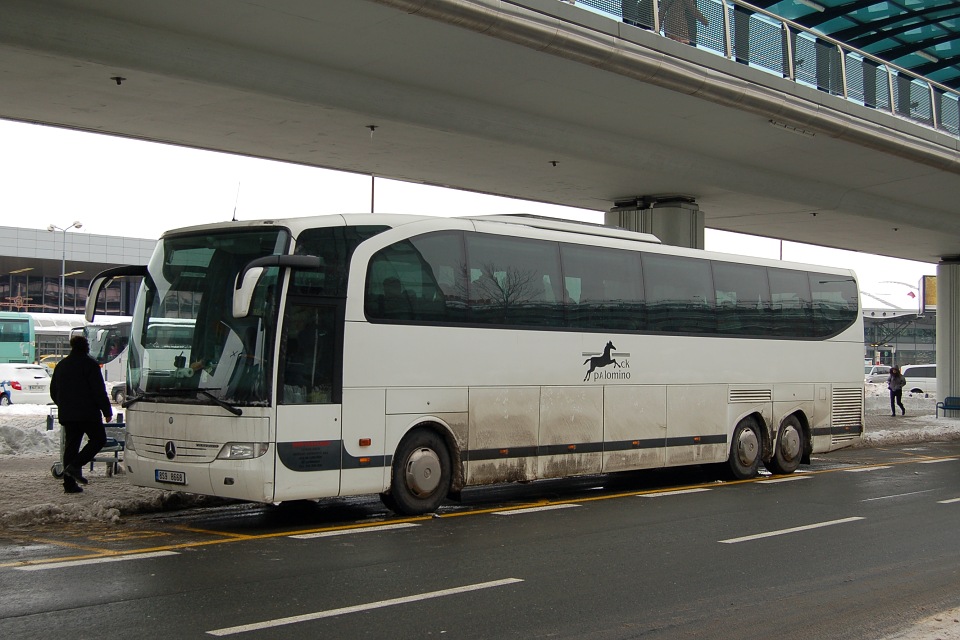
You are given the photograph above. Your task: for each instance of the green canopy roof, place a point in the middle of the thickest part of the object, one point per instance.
(920, 35)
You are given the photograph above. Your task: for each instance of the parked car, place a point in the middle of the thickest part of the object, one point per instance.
(50, 361)
(921, 378)
(876, 373)
(27, 383)
(118, 392)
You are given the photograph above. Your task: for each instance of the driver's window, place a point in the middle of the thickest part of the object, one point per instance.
(308, 355)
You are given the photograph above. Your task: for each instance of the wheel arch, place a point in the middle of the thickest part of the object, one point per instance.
(441, 428)
(766, 433)
(804, 421)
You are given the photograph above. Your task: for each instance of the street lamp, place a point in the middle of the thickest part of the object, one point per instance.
(63, 257)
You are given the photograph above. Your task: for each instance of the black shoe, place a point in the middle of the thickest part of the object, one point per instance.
(903, 411)
(74, 473)
(72, 488)
(894, 414)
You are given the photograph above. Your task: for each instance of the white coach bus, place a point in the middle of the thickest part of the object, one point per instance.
(414, 356)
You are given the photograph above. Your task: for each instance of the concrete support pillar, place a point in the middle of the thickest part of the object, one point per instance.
(948, 328)
(677, 222)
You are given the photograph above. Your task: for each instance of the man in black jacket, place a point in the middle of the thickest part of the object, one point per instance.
(81, 397)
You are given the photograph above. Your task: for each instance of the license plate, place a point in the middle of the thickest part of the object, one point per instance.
(36, 387)
(173, 477)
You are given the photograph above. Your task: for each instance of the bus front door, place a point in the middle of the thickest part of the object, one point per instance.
(308, 409)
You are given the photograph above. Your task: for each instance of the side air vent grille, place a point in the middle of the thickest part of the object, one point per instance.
(751, 395)
(847, 408)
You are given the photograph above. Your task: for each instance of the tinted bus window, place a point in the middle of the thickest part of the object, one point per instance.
(790, 303)
(743, 299)
(513, 281)
(603, 288)
(419, 279)
(679, 293)
(334, 246)
(834, 303)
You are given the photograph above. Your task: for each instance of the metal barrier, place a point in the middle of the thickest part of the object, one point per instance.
(111, 454)
(762, 40)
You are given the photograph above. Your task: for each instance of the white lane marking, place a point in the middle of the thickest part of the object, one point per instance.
(781, 532)
(950, 501)
(80, 563)
(549, 507)
(940, 460)
(344, 532)
(898, 495)
(787, 479)
(269, 624)
(678, 492)
(858, 470)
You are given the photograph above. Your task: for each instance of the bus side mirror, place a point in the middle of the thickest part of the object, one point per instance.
(250, 274)
(243, 292)
(102, 279)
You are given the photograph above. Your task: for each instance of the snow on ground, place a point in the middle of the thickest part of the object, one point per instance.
(31, 495)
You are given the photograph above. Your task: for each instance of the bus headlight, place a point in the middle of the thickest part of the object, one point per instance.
(242, 450)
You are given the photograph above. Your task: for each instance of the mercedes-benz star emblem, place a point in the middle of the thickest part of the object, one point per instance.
(171, 450)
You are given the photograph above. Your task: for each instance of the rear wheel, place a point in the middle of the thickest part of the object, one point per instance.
(744, 460)
(789, 447)
(420, 478)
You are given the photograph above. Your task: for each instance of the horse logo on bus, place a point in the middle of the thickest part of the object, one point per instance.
(608, 357)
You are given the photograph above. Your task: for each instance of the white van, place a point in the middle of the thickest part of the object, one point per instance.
(876, 373)
(921, 378)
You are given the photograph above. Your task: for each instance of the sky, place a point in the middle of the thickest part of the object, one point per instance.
(121, 187)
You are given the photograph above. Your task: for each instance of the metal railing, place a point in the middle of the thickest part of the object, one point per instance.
(763, 40)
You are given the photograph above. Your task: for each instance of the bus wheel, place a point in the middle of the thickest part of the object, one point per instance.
(421, 474)
(744, 461)
(789, 449)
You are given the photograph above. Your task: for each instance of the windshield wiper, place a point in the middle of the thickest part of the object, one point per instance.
(217, 401)
(135, 399)
(177, 392)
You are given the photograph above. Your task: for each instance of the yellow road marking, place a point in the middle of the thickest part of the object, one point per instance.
(230, 538)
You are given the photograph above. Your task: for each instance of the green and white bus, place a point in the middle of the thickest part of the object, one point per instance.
(17, 338)
(413, 356)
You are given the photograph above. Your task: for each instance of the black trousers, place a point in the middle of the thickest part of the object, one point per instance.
(73, 433)
(896, 396)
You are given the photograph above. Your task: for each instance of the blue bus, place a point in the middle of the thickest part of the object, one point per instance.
(17, 337)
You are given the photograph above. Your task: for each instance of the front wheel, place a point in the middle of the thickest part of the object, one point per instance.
(789, 448)
(744, 460)
(421, 474)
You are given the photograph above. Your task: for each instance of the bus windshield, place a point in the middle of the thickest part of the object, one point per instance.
(185, 344)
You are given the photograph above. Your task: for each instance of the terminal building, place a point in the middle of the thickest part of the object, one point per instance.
(32, 261)
(50, 271)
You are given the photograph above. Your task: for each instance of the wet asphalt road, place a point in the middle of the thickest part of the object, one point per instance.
(858, 546)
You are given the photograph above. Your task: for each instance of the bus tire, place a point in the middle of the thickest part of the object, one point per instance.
(789, 447)
(745, 450)
(420, 478)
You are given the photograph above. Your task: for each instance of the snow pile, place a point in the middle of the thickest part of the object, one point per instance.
(33, 496)
(23, 431)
